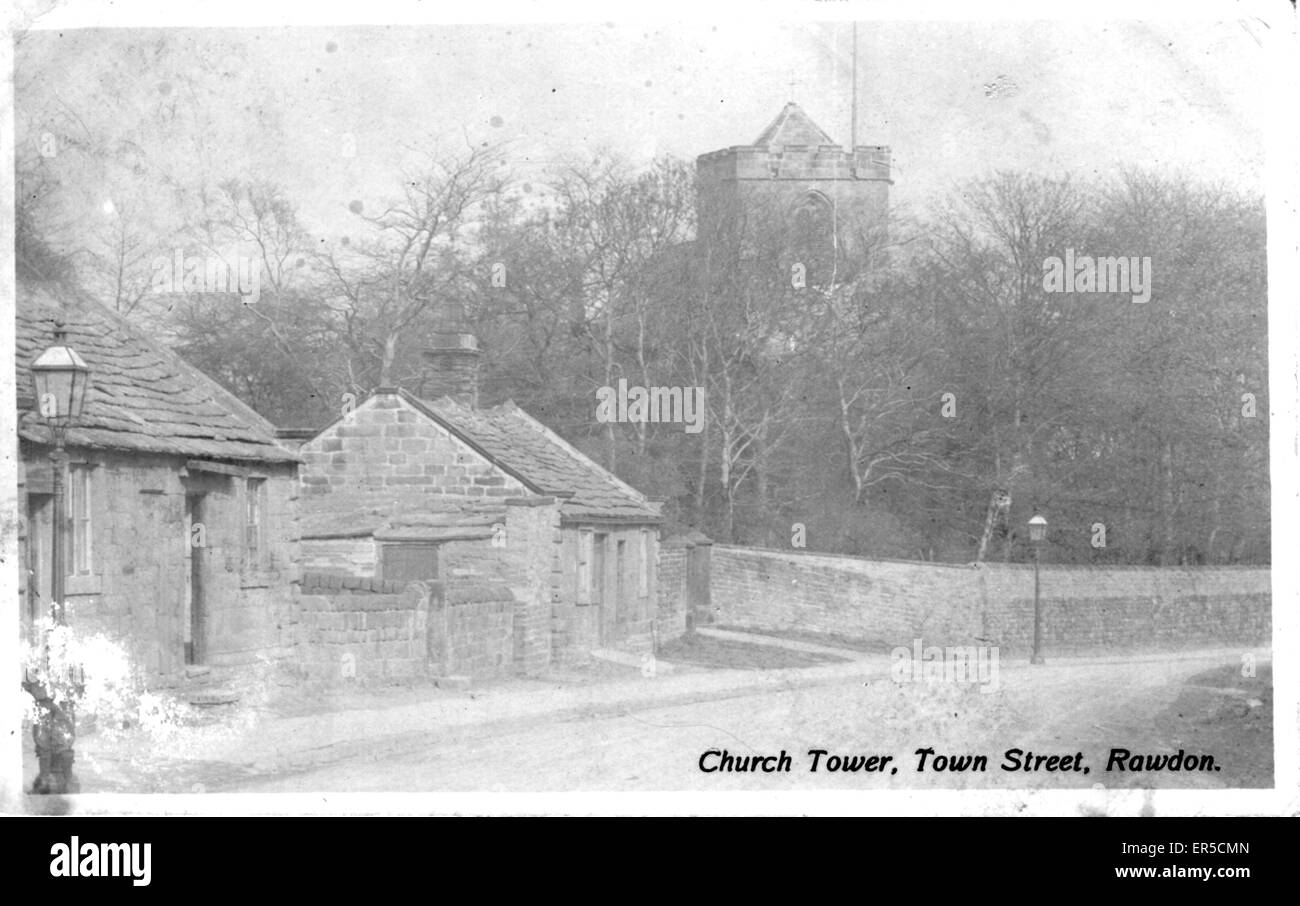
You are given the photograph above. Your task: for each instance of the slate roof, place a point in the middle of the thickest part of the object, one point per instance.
(541, 459)
(142, 396)
(792, 127)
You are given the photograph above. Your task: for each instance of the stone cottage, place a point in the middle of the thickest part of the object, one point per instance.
(181, 538)
(406, 489)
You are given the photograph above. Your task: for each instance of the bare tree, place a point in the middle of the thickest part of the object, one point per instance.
(417, 258)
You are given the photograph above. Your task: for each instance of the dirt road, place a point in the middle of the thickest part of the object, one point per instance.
(1064, 717)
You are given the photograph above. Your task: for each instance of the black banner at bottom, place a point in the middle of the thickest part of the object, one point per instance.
(342, 856)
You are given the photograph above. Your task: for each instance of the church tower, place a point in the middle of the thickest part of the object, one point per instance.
(795, 172)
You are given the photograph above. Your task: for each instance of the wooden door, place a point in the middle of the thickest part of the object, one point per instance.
(40, 522)
(600, 588)
(620, 599)
(194, 625)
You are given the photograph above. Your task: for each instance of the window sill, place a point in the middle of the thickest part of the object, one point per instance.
(83, 585)
(261, 578)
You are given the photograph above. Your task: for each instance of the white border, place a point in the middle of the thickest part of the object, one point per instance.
(1279, 43)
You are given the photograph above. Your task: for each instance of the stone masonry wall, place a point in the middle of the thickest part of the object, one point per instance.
(374, 631)
(387, 444)
(524, 558)
(365, 630)
(1086, 609)
(471, 631)
(533, 540)
(142, 552)
(671, 607)
(340, 556)
(739, 179)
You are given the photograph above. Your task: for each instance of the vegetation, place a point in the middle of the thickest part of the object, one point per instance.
(920, 395)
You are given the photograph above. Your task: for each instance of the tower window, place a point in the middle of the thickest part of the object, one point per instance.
(814, 240)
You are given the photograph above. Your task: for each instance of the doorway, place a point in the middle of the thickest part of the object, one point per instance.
(599, 587)
(40, 522)
(194, 622)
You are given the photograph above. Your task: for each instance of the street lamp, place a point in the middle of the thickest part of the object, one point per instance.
(61, 377)
(1037, 535)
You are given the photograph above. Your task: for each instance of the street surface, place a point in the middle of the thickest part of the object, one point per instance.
(1060, 709)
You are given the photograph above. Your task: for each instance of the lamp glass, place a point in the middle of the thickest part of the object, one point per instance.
(60, 377)
(1037, 529)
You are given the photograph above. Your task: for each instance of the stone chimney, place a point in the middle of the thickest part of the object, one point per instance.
(451, 368)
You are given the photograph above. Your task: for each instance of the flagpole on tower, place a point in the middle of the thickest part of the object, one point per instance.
(853, 129)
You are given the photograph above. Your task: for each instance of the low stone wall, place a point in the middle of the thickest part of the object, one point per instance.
(471, 630)
(374, 631)
(365, 630)
(1086, 609)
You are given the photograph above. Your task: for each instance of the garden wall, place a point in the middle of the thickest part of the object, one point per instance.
(373, 631)
(1085, 609)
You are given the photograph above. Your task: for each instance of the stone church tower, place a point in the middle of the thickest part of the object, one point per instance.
(797, 174)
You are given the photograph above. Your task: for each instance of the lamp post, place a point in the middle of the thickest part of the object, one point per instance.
(61, 377)
(1037, 534)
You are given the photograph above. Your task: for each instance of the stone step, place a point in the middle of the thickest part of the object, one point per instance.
(211, 697)
(459, 683)
(645, 662)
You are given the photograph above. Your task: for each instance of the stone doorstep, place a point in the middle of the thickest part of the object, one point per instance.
(456, 682)
(629, 659)
(204, 687)
(207, 698)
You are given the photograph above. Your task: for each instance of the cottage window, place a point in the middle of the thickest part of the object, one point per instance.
(586, 547)
(254, 521)
(80, 563)
(643, 565)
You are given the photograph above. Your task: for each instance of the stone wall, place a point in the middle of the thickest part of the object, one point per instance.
(365, 630)
(472, 631)
(526, 560)
(340, 556)
(1086, 609)
(672, 606)
(373, 631)
(142, 553)
(386, 443)
(735, 182)
(684, 594)
(533, 542)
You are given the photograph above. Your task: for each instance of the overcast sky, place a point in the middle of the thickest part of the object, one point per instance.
(953, 99)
